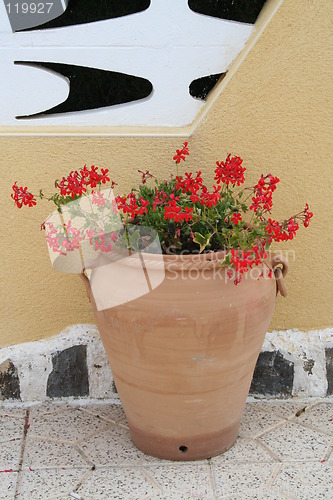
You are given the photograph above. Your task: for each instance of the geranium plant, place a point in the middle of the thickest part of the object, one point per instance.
(187, 216)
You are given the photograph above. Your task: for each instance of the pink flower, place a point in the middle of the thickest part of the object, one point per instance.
(98, 199)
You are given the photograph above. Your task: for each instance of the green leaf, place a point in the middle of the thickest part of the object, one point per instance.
(134, 239)
(227, 260)
(202, 240)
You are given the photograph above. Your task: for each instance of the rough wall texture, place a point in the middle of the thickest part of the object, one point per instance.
(275, 112)
(273, 109)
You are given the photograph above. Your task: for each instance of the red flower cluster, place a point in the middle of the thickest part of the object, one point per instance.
(263, 190)
(287, 229)
(160, 198)
(98, 199)
(173, 212)
(230, 171)
(145, 176)
(189, 184)
(52, 238)
(245, 260)
(129, 205)
(236, 218)
(307, 215)
(76, 183)
(181, 153)
(210, 199)
(101, 241)
(192, 185)
(66, 238)
(73, 238)
(62, 239)
(21, 196)
(210, 220)
(281, 232)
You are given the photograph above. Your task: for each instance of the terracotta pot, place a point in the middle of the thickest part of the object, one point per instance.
(183, 355)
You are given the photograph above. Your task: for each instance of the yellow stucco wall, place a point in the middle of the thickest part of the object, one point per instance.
(273, 109)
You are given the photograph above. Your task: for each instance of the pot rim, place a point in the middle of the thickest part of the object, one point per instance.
(182, 262)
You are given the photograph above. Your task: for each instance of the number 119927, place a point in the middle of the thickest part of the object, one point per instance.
(29, 8)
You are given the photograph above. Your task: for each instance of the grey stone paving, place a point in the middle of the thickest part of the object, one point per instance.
(82, 450)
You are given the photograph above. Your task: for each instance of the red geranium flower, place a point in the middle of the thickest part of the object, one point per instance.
(230, 171)
(21, 196)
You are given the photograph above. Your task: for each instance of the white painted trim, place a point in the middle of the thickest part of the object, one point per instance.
(301, 348)
(183, 132)
(167, 44)
(144, 131)
(33, 361)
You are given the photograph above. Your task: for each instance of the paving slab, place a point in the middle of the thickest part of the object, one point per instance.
(8, 485)
(82, 450)
(292, 442)
(47, 484)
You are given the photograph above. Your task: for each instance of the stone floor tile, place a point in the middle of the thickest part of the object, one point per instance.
(110, 412)
(307, 481)
(8, 485)
(246, 472)
(319, 417)
(11, 428)
(235, 481)
(47, 453)
(255, 422)
(263, 493)
(45, 484)
(117, 483)
(12, 412)
(113, 446)
(71, 425)
(244, 451)
(280, 408)
(162, 496)
(10, 455)
(182, 481)
(49, 408)
(296, 443)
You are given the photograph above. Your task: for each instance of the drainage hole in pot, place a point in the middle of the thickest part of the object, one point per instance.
(183, 449)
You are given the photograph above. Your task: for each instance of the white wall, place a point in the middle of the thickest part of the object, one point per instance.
(167, 44)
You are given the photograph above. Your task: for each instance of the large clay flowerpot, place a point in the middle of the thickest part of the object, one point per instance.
(183, 355)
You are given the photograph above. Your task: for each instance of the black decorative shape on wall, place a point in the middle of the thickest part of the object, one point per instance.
(201, 87)
(69, 376)
(9, 381)
(329, 370)
(90, 11)
(92, 88)
(273, 375)
(244, 11)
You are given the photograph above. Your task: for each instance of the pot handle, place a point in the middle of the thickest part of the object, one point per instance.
(280, 273)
